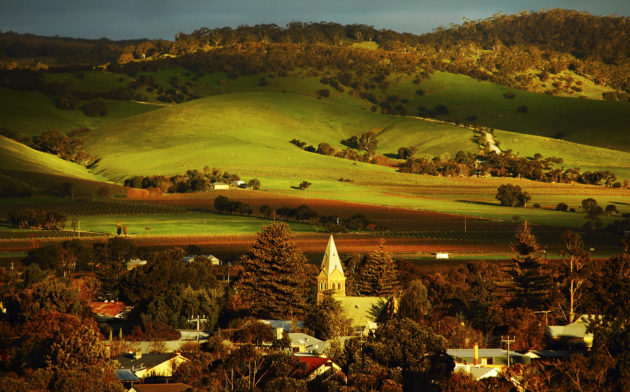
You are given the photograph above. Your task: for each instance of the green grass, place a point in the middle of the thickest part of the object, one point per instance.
(181, 224)
(30, 113)
(248, 130)
(598, 123)
(15, 156)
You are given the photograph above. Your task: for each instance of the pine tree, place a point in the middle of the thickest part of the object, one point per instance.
(531, 283)
(274, 282)
(379, 275)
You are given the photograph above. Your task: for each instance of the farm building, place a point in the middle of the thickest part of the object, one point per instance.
(219, 186)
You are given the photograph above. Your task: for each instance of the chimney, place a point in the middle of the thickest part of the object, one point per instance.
(476, 354)
(279, 333)
(137, 355)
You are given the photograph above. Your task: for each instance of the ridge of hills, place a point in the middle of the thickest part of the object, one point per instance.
(212, 99)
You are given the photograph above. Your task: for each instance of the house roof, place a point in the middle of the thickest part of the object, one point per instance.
(310, 343)
(362, 310)
(126, 375)
(477, 372)
(312, 364)
(331, 259)
(107, 309)
(146, 361)
(171, 387)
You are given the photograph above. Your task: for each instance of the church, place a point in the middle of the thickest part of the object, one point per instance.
(363, 311)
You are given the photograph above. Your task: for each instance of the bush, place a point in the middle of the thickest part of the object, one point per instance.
(562, 206)
(523, 109)
(536, 205)
(420, 92)
(95, 108)
(325, 93)
(509, 95)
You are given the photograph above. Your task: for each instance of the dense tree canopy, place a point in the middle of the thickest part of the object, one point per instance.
(274, 281)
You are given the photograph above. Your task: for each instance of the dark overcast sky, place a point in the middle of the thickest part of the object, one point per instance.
(119, 19)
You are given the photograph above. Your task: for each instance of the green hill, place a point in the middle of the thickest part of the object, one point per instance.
(23, 167)
(250, 133)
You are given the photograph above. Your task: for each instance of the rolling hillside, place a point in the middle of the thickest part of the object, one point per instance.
(24, 168)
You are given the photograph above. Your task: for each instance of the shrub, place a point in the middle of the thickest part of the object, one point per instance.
(95, 108)
(509, 95)
(536, 205)
(562, 206)
(523, 109)
(420, 92)
(324, 93)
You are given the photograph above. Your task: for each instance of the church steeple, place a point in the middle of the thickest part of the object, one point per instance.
(331, 278)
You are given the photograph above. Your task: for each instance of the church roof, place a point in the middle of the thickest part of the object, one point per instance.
(362, 310)
(331, 260)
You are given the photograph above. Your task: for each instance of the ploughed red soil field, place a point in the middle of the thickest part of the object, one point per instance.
(397, 219)
(309, 243)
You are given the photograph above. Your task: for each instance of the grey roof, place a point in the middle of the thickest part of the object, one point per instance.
(476, 371)
(126, 375)
(311, 343)
(147, 361)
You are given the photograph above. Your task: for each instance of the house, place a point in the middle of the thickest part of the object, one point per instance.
(443, 256)
(171, 387)
(317, 366)
(219, 186)
(363, 311)
(572, 335)
(150, 365)
(210, 258)
(239, 184)
(135, 263)
(107, 311)
(302, 343)
(491, 357)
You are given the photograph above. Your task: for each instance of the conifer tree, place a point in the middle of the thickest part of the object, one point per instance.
(379, 275)
(531, 283)
(274, 282)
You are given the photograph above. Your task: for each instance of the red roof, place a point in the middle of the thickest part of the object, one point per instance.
(312, 364)
(108, 309)
(173, 387)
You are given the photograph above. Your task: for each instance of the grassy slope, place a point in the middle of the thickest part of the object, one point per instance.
(30, 113)
(598, 123)
(251, 132)
(15, 156)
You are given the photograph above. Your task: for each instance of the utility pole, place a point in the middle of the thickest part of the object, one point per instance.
(508, 341)
(198, 319)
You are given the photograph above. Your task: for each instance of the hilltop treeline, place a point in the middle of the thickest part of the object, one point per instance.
(57, 51)
(507, 164)
(501, 49)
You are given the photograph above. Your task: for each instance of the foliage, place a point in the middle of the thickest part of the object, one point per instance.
(191, 181)
(36, 219)
(531, 279)
(274, 281)
(327, 320)
(379, 274)
(512, 196)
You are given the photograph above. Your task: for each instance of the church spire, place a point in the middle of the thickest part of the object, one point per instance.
(331, 280)
(331, 259)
